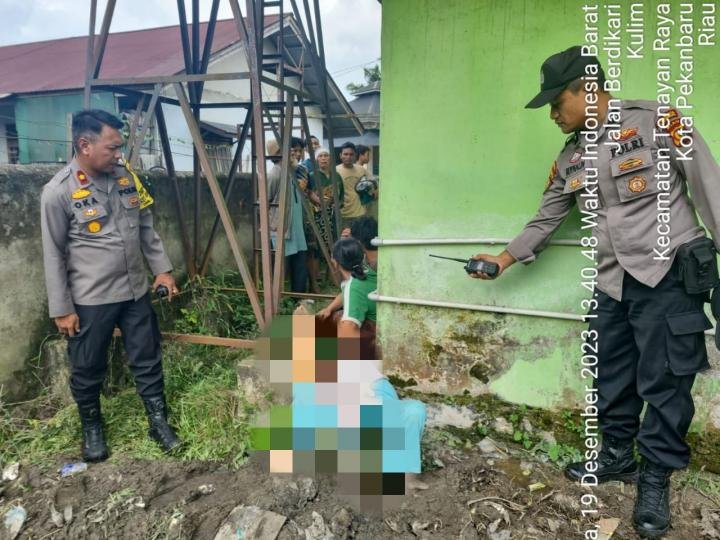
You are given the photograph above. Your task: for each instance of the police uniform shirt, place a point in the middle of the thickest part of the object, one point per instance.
(635, 184)
(95, 232)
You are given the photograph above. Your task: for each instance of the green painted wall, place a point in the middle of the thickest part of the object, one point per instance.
(42, 123)
(461, 157)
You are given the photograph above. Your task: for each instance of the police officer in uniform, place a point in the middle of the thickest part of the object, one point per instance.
(652, 278)
(96, 228)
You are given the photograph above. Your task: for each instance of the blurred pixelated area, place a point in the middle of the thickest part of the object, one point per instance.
(338, 422)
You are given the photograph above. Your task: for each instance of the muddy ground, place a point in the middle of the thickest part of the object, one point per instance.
(490, 491)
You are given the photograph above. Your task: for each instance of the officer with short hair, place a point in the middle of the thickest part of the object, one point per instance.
(96, 228)
(655, 268)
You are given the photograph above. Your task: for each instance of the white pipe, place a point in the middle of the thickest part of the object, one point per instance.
(477, 307)
(440, 241)
(495, 309)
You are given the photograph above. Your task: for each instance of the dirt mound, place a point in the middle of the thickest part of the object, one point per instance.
(486, 492)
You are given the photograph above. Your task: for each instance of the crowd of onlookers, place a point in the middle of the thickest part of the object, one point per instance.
(318, 201)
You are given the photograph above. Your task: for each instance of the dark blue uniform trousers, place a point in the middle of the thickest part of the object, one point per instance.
(650, 346)
(88, 349)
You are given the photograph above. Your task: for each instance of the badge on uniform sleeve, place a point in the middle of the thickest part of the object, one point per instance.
(81, 177)
(90, 212)
(637, 184)
(576, 156)
(575, 183)
(124, 181)
(80, 194)
(552, 175)
(94, 227)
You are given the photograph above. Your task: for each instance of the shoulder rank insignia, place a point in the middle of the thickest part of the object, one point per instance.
(81, 177)
(94, 227)
(81, 193)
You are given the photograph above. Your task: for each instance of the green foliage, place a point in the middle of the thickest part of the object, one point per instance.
(212, 309)
(371, 74)
(204, 403)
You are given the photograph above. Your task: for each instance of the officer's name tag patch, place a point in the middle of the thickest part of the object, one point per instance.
(637, 184)
(80, 193)
(94, 227)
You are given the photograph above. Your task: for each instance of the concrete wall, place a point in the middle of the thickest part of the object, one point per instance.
(23, 302)
(462, 158)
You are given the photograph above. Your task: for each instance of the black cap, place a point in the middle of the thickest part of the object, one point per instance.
(560, 70)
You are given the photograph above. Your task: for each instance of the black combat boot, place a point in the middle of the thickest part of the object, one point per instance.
(93, 446)
(615, 462)
(160, 431)
(651, 517)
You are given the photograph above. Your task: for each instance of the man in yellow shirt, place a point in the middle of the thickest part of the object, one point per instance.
(351, 174)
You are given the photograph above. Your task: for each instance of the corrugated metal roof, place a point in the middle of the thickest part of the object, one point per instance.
(59, 64)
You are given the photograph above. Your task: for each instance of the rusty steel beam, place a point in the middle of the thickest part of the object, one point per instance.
(318, 190)
(210, 340)
(169, 79)
(135, 153)
(242, 138)
(309, 22)
(318, 296)
(90, 55)
(185, 40)
(271, 123)
(221, 206)
(322, 77)
(170, 165)
(259, 142)
(99, 51)
(207, 45)
(196, 41)
(285, 186)
(132, 128)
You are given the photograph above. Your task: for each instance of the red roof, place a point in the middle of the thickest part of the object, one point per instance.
(59, 64)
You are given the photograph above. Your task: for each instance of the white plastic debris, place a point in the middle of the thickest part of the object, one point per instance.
(56, 517)
(11, 472)
(14, 520)
(606, 528)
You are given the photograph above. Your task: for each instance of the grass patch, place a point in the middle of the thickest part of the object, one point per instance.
(204, 404)
(206, 407)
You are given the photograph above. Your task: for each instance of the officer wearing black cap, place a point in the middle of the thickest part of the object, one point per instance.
(655, 268)
(97, 227)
